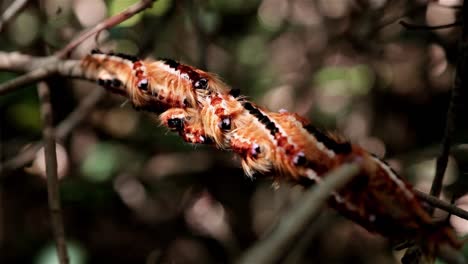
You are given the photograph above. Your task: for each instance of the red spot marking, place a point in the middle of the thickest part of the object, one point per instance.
(169, 100)
(241, 148)
(289, 149)
(219, 111)
(216, 100)
(282, 141)
(139, 73)
(137, 65)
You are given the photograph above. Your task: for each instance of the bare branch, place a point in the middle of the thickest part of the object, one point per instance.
(51, 171)
(18, 62)
(410, 26)
(41, 68)
(108, 23)
(437, 203)
(272, 248)
(458, 89)
(28, 78)
(61, 132)
(11, 12)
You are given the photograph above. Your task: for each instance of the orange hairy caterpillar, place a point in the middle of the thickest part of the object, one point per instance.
(202, 109)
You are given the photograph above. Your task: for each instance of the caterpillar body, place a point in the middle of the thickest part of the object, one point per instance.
(283, 145)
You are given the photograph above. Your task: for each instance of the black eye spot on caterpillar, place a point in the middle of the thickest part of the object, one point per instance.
(225, 123)
(186, 103)
(116, 83)
(255, 150)
(235, 92)
(143, 85)
(96, 51)
(202, 83)
(175, 123)
(300, 159)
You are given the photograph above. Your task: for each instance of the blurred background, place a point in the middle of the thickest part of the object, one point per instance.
(134, 193)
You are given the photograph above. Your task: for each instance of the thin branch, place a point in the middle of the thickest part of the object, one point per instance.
(45, 67)
(272, 248)
(12, 11)
(410, 26)
(446, 206)
(108, 23)
(28, 78)
(61, 132)
(51, 171)
(19, 62)
(459, 83)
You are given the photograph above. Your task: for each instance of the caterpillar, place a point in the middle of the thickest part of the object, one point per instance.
(204, 110)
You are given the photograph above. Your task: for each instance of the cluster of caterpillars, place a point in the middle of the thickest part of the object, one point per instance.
(283, 145)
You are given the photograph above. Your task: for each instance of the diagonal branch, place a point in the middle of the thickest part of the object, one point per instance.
(41, 68)
(272, 248)
(12, 11)
(28, 78)
(437, 203)
(108, 23)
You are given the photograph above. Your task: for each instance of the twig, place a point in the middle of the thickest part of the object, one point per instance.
(28, 78)
(19, 62)
(289, 229)
(82, 111)
(51, 171)
(446, 206)
(49, 65)
(62, 131)
(11, 12)
(459, 83)
(108, 23)
(410, 26)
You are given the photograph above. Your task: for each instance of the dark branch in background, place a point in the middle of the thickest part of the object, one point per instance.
(28, 78)
(43, 70)
(61, 132)
(410, 26)
(274, 247)
(38, 68)
(51, 172)
(11, 12)
(414, 253)
(437, 203)
(456, 99)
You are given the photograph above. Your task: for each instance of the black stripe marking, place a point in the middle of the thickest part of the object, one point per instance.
(197, 81)
(171, 63)
(124, 56)
(270, 125)
(338, 148)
